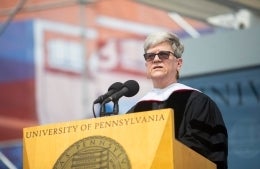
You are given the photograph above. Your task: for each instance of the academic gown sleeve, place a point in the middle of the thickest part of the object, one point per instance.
(198, 123)
(203, 129)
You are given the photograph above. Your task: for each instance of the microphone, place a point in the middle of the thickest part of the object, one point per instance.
(111, 90)
(129, 89)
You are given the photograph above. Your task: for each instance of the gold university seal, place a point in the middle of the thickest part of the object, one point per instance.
(94, 152)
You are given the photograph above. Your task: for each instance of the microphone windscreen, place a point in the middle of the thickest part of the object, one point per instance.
(116, 86)
(132, 86)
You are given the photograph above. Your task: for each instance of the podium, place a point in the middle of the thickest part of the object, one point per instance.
(143, 140)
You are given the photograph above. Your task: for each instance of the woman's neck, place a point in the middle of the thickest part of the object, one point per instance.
(161, 84)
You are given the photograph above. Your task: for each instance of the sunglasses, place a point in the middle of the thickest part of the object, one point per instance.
(163, 55)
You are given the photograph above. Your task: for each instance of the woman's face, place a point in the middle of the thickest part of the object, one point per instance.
(162, 71)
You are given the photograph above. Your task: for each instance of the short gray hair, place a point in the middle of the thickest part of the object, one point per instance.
(160, 37)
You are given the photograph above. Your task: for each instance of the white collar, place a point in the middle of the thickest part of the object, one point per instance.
(163, 94)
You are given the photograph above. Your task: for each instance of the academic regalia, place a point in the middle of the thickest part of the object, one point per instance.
(198, 121)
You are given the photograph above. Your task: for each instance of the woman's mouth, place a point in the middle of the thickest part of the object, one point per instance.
(157, 67)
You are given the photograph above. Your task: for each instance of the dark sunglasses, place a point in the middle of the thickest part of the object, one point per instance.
(163, 55)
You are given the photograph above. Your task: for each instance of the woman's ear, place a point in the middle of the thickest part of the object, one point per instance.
(179, 64)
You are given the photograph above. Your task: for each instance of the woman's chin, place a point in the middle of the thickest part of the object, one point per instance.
(156, 75)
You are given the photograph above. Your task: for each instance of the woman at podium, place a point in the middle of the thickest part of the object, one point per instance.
(198, 120)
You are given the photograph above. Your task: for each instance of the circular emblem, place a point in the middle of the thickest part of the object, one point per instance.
(94, 152)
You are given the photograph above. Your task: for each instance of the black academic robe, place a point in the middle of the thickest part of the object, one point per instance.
(198, 123)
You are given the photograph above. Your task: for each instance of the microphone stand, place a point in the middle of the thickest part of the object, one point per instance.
(103, 109)
(116, 108)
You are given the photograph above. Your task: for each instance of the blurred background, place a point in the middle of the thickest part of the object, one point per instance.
(57, 57)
